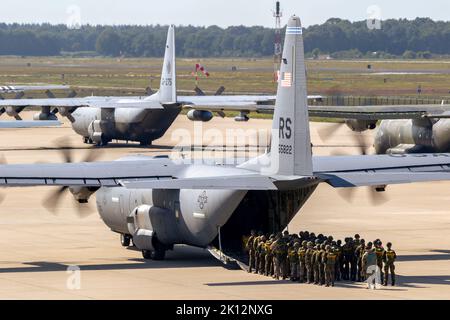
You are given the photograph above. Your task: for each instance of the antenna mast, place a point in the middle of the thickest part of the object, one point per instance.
(277, 43)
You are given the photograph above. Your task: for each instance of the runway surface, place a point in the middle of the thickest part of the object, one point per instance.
(36, 247)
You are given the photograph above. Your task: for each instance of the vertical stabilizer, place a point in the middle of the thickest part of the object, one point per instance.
(291, 142)
(168, 88)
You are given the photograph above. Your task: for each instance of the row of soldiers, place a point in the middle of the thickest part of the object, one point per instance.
(319, 259)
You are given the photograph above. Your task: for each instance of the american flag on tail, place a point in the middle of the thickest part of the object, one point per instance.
(286, 80)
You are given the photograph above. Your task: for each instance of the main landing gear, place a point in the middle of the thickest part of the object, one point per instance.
(158, 254)
(125, 240)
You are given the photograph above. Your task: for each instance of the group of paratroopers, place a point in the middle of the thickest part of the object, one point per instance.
(320, 259)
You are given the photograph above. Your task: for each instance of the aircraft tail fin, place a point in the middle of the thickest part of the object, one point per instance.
(291, 141)
(168, 88)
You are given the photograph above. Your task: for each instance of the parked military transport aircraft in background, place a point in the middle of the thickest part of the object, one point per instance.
(159, 202)
(100, 120)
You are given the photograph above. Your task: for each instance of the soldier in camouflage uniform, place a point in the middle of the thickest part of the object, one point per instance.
(293, 261)
(322, 261)
(255, 250)
(279, 253)
(379, 250)
(389, 257)
(316, 264)
(359, 252)
(251, 253)
(337, 252)
(285, 267)
(340, 258)
(309, 256)
(261, 252)
(269, 256)
(349, 257)
(302, 261)
(330, 266)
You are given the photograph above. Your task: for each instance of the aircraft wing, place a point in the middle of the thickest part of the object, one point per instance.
(378, 170)
(231, 103)
(28, 124)
(340, 172)
(21, 88)
(154, 173)
(94, 102)
(381, 112)
(265, 104)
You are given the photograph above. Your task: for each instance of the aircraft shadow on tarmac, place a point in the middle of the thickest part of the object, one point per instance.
(442, 255)
(146, 149)
(182, 257)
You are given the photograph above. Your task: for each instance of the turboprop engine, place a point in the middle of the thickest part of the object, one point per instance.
(200, 115)
(45, 114)
(411, 136)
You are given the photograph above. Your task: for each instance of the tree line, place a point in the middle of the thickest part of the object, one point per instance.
(417, 38)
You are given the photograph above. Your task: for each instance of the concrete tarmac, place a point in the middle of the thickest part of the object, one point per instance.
(37, 247)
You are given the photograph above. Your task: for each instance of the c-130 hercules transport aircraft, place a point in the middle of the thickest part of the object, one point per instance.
(100, 120)
(159, 202)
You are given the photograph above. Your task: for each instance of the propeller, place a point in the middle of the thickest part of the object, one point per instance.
(220, 91)
(50, 95)
(51, 203)
(325, 133)
(359, 139)
(376, 196)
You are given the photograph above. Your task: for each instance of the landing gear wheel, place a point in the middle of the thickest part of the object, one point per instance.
(125, 240)
(147, 254)
(158, 254)
(103, 143)
(145, 143)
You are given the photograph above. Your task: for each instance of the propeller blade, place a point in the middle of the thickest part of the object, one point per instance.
(198, 91)
(93, 155)
(326, 132)
(361, 141)
(67, 155)
(348, 194)
(52, 201)
(221, 114)
(377, 198)
(50, 94)
(65, 148)
(19, 95)
(72, 94)
(220, 91)
(83, 210)
(148, 91)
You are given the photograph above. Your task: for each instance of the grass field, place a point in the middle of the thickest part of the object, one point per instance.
(109, 76)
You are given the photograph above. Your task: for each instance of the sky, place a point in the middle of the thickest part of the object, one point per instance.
(213, 12)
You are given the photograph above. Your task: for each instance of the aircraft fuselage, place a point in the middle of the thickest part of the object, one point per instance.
(412, 136)
(101, 126)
